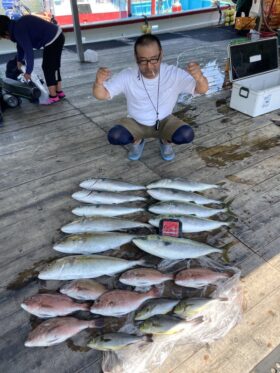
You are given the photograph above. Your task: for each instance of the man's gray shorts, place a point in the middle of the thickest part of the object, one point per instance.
(166, 129)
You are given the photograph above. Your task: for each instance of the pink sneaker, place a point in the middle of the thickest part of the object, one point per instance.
(60, 94)
(51, 100)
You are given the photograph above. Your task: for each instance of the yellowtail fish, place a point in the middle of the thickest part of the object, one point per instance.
(173, 248)
(199, 277)
(105, 210)
(144, 277)
(184, 208)
(181, 184)
(51, 305)
(191, 308)
(191, 224)
(106, 198)
(109, 185)
(177, 195)
(115, 341)
(154, 307)
(165, 324)
(92, 243)
(54, 331)
(84, 289)
(85, 266)
(99, 224)
(121, 302)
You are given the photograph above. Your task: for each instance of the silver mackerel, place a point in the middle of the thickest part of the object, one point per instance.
(101, 224)
(85, 266)
(173, 248)
(106, 198)
(92, 243)
(191, 224)
(109, 185)
(162, 194)
(181, 184)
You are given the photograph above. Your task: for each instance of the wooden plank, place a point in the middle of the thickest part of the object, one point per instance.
(257, 333)
(47, 151)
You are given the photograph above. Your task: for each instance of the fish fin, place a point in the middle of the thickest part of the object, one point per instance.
(197, 320)
(97, 323)
(223, 299)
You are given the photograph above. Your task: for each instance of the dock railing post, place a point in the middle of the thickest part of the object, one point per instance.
(77, 30)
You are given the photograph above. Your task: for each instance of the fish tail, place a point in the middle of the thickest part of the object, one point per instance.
(85, 306)
(97, 323)
(225, 255)
(141, 262)
(154, 292)
(221, 184)
(227, 201)
(148, 338)
(171, 276)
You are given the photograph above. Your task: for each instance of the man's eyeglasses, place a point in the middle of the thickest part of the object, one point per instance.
(145, 62)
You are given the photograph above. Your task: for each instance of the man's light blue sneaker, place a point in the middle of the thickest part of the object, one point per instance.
(166, 151)
(136, 151)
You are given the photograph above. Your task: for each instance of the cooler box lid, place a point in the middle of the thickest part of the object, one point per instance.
(253, 58)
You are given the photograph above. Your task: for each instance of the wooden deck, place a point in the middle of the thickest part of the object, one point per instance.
(47, 151)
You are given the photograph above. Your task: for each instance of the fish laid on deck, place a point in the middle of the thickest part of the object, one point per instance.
(99, 224)
(106, 198)
(165, 324)
(155, 307)
(144, 277)
(173, 248)
(84, 289)
(51, 305)
(181, 184)
(105, 210)
(109, 185)
(162, 194)
(114, 341)
(85, 266)
(91, 243)
(199, 277)
(54, 331)
(183, 208)
(191, 224)
(121, 302)
(191, 308)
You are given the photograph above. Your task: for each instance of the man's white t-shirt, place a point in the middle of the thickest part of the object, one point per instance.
(171, 82)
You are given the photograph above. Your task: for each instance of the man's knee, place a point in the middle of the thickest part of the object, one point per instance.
(119, 135)
(183, 135)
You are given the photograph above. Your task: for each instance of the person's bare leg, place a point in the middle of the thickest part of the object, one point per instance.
(52, 90)
(58, 87)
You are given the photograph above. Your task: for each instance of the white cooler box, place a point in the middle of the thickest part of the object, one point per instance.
(255, 76)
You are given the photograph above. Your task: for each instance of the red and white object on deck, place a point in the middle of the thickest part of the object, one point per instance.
(255, 74)
(170, 227)
(176, 7)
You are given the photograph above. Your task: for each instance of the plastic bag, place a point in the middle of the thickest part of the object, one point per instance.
(218, 319)
(91, 55)
(44, 91)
